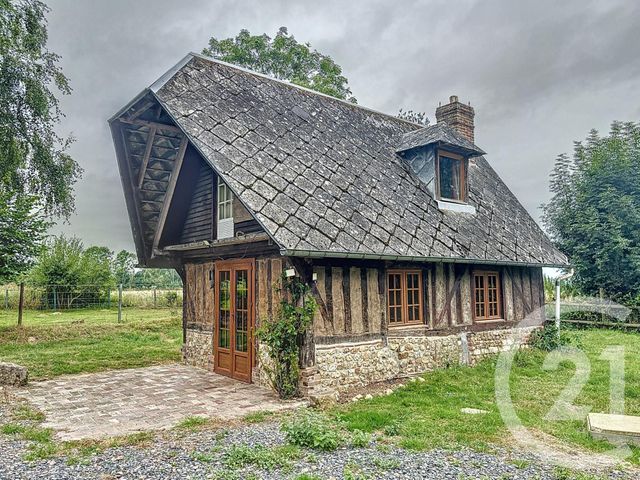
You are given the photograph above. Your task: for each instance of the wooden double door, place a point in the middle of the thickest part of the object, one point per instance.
(234, 318)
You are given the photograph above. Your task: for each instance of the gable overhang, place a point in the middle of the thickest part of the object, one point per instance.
(410, 258)
(212, 165)
(126, 179)
(151, 255)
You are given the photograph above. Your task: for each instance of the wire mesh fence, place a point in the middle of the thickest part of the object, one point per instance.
(60, 297)
(67, 303)
(591, 312)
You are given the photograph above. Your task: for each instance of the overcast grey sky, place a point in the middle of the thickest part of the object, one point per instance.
(540, 74)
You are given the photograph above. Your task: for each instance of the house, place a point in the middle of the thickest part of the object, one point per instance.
(418, 254)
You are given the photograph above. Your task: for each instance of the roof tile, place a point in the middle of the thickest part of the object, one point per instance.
(339, 163)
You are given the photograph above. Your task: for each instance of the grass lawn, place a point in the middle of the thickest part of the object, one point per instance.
(425, 415)
(81, 341)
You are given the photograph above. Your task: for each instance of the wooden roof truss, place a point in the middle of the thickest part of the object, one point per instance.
(155, 152)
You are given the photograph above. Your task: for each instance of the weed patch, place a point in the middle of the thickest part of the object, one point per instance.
(192, 423)
(313, 430)
(257, 417)
(269, 459)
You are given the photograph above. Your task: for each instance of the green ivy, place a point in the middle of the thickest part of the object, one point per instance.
(281, 334)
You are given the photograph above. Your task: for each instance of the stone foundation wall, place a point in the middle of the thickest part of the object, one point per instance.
(342, 367)
(259, 374)
(198, 349)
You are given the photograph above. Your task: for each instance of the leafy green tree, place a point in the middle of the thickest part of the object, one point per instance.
(123, 267)
(594, 214)
(70, 276)
(22, 231)
(32, 155)
(96, 266)
(284, 58)
(156, 277)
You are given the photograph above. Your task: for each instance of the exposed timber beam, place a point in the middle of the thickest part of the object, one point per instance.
(147, 154)
(170, 189)
(148, 123)
(134, 192)
(148, 104)
(243, 239)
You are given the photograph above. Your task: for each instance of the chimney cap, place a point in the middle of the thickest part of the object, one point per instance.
(453, 99)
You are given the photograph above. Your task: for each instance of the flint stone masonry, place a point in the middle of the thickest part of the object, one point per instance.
(198, 349)
(14, 375)
(343, 367)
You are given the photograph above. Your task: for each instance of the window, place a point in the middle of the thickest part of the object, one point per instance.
(225, 201)
(404, 291)
(487, 296)
(451, 177)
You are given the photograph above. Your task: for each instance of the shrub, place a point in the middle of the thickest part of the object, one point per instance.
(171, 297)
(548, 338)
(313, 430)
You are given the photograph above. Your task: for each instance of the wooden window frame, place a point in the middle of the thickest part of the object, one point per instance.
(463, 176)
(403, 296)
(485, 274)
(220, 202)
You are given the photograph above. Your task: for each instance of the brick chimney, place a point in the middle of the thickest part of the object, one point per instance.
(458, 116)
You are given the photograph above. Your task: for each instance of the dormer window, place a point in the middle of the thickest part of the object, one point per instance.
(439, 156)
(451, 177)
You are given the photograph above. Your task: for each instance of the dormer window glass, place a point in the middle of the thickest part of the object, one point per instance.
(451, 177)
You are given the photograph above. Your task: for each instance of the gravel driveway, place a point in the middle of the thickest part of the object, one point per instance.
(200, 455)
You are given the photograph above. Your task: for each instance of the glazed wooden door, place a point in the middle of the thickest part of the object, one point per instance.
(234, 287)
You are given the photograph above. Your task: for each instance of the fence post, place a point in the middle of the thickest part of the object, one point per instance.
(55, 299)
(6, 299)
(119, 303)
(155, 298)
(109, 297)
(558, 306)
(20, 304)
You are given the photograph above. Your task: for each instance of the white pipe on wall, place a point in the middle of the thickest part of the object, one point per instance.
(558, 280)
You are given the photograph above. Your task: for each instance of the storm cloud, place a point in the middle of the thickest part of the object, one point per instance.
(539, 74)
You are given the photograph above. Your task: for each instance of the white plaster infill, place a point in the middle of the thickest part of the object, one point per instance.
(456, 207)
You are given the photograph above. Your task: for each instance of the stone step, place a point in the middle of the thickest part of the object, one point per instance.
(614, 428)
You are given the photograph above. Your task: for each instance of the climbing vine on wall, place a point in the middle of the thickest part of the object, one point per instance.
(281, 332)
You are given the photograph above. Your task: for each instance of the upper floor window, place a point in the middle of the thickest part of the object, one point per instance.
(404, 291)
(451, 177)
(225, 201)
(487, 296)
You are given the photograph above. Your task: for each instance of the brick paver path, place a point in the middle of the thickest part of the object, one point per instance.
(121, 402)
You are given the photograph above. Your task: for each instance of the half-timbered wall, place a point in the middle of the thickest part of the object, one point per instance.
(354, 346)
(350, 343)
(353, 300)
